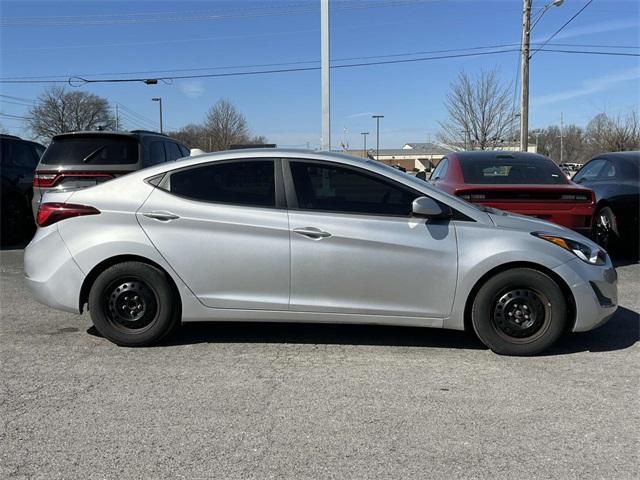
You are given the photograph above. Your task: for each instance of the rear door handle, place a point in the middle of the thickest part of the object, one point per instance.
(312, 232)
(162, 216)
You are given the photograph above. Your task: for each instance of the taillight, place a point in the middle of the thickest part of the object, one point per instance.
(44, 179)
(50, 213)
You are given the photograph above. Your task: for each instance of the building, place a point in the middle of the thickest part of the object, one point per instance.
(413, 156)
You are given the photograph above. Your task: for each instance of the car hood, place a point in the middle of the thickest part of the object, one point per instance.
(513, 221)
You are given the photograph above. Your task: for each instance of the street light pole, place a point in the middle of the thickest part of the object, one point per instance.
(524, 75)
(159, 100)
(325, 75)
(377, 117)
(524, 66)
(364, 138)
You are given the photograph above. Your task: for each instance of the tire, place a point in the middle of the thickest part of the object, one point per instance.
(605, 229)
(132, 304)
(519, 312)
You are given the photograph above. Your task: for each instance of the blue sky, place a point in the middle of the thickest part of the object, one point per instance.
(285, 107)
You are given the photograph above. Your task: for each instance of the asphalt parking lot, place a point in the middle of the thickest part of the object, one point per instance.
(312, 401)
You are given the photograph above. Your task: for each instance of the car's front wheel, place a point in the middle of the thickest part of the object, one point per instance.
(519, 312)
(132, 304)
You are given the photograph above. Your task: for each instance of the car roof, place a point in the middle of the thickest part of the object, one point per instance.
(491, 154)
(110, 133)
(632, 156)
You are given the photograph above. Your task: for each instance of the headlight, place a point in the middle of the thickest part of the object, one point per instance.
(594, 256)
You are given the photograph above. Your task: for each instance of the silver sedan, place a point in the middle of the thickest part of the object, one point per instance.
(297, 236)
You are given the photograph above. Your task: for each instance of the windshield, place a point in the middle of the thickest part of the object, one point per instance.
(98, 150)
(509, 171)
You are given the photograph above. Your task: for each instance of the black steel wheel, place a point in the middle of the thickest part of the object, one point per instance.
(519, 312)
(133, 305)
(605, 228)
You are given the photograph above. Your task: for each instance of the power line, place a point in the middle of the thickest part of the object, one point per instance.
(263, 65)
(561, 28)
(162, 17)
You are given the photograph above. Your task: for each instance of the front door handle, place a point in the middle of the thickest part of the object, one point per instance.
(312, 232)
(162, 216)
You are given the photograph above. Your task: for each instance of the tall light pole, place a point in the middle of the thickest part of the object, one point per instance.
(159, 100)
(324, 70)
(364, 138)
(377, 117)
(524, 66)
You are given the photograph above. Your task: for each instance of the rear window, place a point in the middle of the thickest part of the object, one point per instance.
(499, 171)
(99, 150)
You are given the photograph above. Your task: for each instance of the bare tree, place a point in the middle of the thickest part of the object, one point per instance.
(480, 113)
(573, 144)
(193, 135)
(613, 134)
(58, 110)
(225, 125)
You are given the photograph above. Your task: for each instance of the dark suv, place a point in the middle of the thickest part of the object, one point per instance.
(18, 160)
(84, 159)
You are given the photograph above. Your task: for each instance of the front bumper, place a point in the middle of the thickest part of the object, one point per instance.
(51, 274)
(594, 290)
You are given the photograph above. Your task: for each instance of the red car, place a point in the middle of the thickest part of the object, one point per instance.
(525, 183)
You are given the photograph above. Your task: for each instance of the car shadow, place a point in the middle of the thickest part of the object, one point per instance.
(619, 333)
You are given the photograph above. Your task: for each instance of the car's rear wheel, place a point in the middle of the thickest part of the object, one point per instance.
(519, 312)
(132, 304)
(605, 228)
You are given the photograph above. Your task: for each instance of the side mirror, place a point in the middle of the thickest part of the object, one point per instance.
(428, 208)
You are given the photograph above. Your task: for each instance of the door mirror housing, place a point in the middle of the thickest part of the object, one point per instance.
(426, 207)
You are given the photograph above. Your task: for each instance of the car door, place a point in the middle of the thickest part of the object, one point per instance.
(356, 249)
(225, 231)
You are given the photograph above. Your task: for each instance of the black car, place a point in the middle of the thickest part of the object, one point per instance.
(18, 160)
(83, 159)
(615, 179)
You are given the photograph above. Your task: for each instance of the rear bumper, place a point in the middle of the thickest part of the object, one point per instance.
(576, 217)
(594, 290)
(51, 274)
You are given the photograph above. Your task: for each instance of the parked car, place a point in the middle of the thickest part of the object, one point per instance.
(299, 236)
(615, 179)
(519, 182)
(84, 159)
(18, 160)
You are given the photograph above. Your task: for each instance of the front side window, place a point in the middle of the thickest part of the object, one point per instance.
(338, 189)
(250, 182)
(590, 171)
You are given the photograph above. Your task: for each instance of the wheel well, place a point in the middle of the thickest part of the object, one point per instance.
(571, 305)
(102, 266)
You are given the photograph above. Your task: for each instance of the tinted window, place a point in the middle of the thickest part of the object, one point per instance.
(156, 153)
(18, 154)
(590, 171)
(173, 152)
(240, 182)
(608, 172)
(441, 169)
(338, 189)
(39, 149)
(185, 151)
(98, 150)
(628, 170)
(498, 171)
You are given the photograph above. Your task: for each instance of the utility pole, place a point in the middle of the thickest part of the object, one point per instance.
(364, 138)
(377, 117)
(117, 119)
(524, 75)
(325, 74)
(561, 138)
(159, 100)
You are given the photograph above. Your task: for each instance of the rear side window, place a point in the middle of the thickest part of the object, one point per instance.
(337, 189)
(250, 183)
(499, 171)
(156, 153)
(18, 154)
(185, 151)
(98, 150)
(173, 152)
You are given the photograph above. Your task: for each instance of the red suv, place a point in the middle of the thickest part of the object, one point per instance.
(519, 182)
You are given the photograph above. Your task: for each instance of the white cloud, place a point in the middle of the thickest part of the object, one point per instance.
(591, 29)
(589, 87)
(192, 88)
